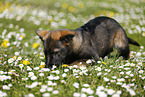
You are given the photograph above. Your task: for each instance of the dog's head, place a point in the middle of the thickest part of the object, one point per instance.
(56, 44)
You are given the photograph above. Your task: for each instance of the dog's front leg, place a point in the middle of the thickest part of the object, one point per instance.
(95, 55)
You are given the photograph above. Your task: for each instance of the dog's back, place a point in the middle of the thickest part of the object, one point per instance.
(103, 34)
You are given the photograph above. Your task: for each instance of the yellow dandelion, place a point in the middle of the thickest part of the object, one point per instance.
(103, 63)
(26, 62)
(22, 36)
(64, 5)
(5, 43)
(40, 83)
(64, 65)
(14, 57)
(35, 45)
(81, 5)
(71, 9)
(111, 14)
(42, 65)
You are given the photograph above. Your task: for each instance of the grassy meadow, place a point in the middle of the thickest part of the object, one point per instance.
(22, 72)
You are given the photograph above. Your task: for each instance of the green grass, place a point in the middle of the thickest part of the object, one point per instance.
(115, 75)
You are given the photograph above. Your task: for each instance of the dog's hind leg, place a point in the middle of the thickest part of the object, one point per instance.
(121, 43)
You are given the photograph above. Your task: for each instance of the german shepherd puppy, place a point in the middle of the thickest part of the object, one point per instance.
(95, 39)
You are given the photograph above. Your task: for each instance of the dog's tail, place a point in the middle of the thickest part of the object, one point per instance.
(131, 41)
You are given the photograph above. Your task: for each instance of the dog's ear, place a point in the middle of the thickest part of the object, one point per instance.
(67, 36)
(41, 34)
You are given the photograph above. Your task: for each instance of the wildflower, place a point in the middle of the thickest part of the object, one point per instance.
(114, 77)
(64, 5)
(101, 94)
(26, 62)
(64, 75)
(66, 70)
(55, 92)
(76, 85)
(126, 68)
(89, 61)
(106, 79)
(138, 54)
(119, 92)
(76, 94)
(122, 72)
(35, 45)
(116, 95)
(22, 29)
(112, 80)
(71, 9)
(81, 73)
(42, 90)
(29, 68)
(128, 72)
(99, 74)
(49, 83)
(132, 92)
(63, 81)
(14, 57)
(36, 68)
(21, 66)
(56, 78)
(3, 94)
(81, 5)
(5, 43)
(1, 72)
(25, 78)
(131, 75)
(16, 53)
(53, 67)
(30, 95)
(57, 71)
(10, 60)
(19, 58)
(26, 44)
(86, 85)
(121, 79)
(98, 68)
(103, 63)
(110, 91)
(132, 64)
(98, 62)
(46, 95)
(141, 71)
(41, 74)
(64, 65)
(42, 64)
(21, 37)
(89, 91)
(49, 89)
(31, 74)
(5, 87)
(33, 77)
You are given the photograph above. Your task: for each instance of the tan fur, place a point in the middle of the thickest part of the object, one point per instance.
(55, 35)
(76, 43)
(79, 63)
(42, 33)
(119, 39)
